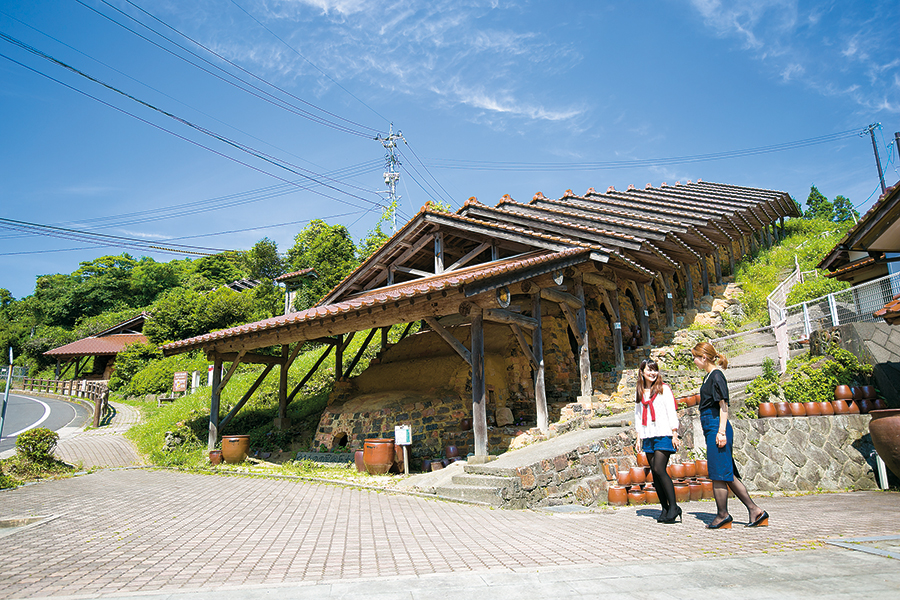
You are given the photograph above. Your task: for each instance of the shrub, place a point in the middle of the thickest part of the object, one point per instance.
(129, 361)
(37, 444)
(814, 288)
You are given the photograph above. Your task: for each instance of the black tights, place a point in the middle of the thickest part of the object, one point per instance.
(661, 480)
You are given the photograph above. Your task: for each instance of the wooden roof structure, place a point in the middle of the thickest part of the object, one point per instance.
(447, 269)
(107, 343)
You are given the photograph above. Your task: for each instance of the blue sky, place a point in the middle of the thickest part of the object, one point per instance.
(492, 97)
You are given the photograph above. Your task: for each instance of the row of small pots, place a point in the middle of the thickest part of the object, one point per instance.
(642, 474)
(685, 491)
(692, 400)
(846, 392)
(813, 409)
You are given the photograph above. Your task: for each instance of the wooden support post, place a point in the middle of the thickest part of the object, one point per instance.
(339, 357)
(781, 222)
(645, 314)
(731, 258)
(752, 242)
(584, 355)
(479, 390)
(617, 331)
(311, 372)
(214, 404)
(246, 396)
(717, 261)
(384, 337)
(741, 242)
(704, 274)
(362, 349)
(537, 349)
(281, 421)
(670, 302)
(689, 285)
(438, 253)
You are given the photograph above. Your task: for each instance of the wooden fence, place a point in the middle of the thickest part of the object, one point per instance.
(95, 391)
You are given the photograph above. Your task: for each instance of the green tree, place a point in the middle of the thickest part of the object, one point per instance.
(844, 210)
(819, 207)
(263, 261)
(221, 268)
(130, 360)
(330, 251)
(149, 279)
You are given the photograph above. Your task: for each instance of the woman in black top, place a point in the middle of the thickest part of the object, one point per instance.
(719, 435)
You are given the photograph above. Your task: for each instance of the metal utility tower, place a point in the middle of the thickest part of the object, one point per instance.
(391, 171)
(871, 131)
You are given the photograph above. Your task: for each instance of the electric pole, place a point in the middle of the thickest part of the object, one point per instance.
(391, 171)
(871, 131)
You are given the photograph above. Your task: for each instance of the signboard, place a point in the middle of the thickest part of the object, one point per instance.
(402, 435)
(179, 381)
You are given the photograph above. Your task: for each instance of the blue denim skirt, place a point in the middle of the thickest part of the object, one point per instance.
(652, 444)
(720, 461)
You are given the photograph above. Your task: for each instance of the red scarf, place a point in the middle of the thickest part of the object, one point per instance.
(649, 404)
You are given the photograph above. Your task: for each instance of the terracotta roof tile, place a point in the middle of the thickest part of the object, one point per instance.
(98, 346)
(299, 273)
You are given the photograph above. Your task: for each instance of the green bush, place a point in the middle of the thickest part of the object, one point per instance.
(814, 288)
(130, 360)
(37, 444)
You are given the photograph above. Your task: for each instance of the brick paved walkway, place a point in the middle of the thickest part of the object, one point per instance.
(105, 446)
(141, 531)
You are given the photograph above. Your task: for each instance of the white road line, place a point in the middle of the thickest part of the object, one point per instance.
(41, 420)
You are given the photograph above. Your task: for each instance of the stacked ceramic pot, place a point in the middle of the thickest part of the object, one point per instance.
(634, 485)
(847, 400)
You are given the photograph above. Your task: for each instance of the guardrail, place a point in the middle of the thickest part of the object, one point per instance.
(95, 391)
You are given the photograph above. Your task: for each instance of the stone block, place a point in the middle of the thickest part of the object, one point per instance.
(560, 463)
(589, 459)
(526, 478)
(796, 455)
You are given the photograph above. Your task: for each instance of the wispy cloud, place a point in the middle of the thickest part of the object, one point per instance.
(836, 48)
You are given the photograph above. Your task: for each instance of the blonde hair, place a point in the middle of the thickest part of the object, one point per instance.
(706, 350)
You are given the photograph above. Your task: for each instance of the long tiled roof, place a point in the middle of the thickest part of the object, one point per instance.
(458, 279)
(884, 212)
(98, 346)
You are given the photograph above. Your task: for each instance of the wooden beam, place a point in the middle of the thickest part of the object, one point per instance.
(245, 397)
(617, 330)
(704, 274)
(561, 298)
(581, 334)
(498, 315)
(448, 337)
(645, 313)
(248, 357)
(231, 370)
(410, 271)
(689, 287)
(362, 349)
(283, 383)
(214, 404)
(598, 280)
(310, 373)
(438, 252)
(469, 256)
(537, 348)
(523, 343)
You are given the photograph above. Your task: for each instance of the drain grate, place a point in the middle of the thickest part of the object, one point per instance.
(11, 525)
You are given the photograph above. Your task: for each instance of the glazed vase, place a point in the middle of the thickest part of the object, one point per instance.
(885, 430)
(378, 455)
(827, 408)
(766, 410)
(797, 409)
(783, 409)
(812, 409)
(235, 448)
(840, 406)
(865, 405)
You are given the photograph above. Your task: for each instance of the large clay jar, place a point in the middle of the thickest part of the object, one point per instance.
(885, 430)
(682, 492)
(636, 495)
(450, 451)
(623, 477)
(783, 409)
(827, 408)
(840, 407)
(879, 404)
(766, 410)
(812, 409)
(690, 469)
(465, 424)
(358, 461)
(843, 392)
(235, 448)
(617, 495)
(677, 471)
(695, 400)
(696, 491)
(642, 459)
(707, 486)
(797, 409)
(648, 475)
(702, 467)
(637, 475)
(650, 494)
(378, 455)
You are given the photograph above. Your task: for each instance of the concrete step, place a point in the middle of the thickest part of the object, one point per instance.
(745, 374)
(471, 493)
(486, 481)
(753, 358)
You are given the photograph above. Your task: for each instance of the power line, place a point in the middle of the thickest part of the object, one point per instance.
(472, 165)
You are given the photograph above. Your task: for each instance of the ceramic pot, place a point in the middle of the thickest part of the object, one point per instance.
(358, 461)
(840, 407)
(812, 409)
(215, 457)
(857, 393)
(696, 400)
(465, 424)
(766, 410)
(682, 492)
(398, 457)
(436, 465)
(843, 392)
(797, 409)
(783, 409)
(642, 459)
(865, 405)
(854, 407)
(885, 430)
(879, 404)
(378, 455)
(235, 448)
(702, 467)
(450, 451)
(650, 495)
(827, 408)
(636, 496)
(617, 495)
(690, 469)
(637, 475)
(706, 485)
(426, 465)
(648, 475)
(678, 471)
(868, 392)
(623, 477)
(696, 491)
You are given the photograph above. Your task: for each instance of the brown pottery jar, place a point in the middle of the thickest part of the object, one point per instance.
(617, 495)
(235, 448)
(812, 409)
(783, 409)
(797, 409)
(378, 455)
(636, 495)
(696, 490)
(827, 408)
(637, 475)
(854, 407)
(702, 467)
(766, 410)
(682, 492)
(840, 406)
(843, 392)
(885, 430)
(623, 477)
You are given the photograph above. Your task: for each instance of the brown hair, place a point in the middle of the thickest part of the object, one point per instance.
(706, 350)
(657, 386)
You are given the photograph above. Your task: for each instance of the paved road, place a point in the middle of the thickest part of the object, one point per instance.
(24, 412)
(165, 534)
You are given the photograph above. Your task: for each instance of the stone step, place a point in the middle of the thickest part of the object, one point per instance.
(470, 493)
(485, 481)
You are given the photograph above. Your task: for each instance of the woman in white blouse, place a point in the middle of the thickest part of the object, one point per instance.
(656, 422)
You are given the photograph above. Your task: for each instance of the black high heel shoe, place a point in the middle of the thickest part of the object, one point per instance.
(723, 524)
(671, 518)
(761, 521)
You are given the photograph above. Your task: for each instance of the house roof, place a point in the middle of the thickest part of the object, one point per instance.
(296, 275)
(97, 346)
(891, 311)
(877, 231)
